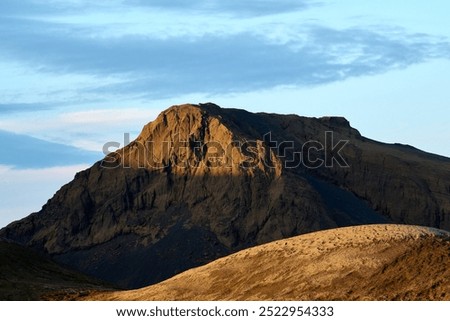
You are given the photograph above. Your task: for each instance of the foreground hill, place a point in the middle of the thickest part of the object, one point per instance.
(201, 182)
(26, 275)
(372, 262)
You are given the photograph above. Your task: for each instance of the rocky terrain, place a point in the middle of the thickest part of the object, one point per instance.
(371, 262)
(201, 182)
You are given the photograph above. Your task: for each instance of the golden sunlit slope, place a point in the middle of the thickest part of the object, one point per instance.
(371, 262)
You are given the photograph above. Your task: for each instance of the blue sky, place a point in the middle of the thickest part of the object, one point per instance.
(78, 73)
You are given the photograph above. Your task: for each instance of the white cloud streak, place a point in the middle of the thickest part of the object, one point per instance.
(87, 129)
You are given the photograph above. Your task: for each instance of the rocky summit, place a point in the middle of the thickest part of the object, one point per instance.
(202, 181)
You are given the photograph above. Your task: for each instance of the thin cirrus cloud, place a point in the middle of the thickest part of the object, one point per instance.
(23, 107)
(248, 8)
(23, 151)
(236, 7)
(81, 135)
(156, 68)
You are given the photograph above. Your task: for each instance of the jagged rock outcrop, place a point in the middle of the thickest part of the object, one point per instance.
(201, 182)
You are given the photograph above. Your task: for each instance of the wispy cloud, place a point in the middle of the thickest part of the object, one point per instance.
(100, 58)
(23, 107)
(29, 84)
(150, 67)
(22, 151)
(62, 53)
(236, 7)
(68, 137)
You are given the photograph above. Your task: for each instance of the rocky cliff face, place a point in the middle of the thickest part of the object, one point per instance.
(201, 181)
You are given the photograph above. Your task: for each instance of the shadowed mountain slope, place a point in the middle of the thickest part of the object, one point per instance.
(27, 275)
(371, 262)
(201, 182)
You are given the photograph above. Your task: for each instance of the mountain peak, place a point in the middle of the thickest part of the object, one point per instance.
(197, 138)
(191, 134)
(202, 181)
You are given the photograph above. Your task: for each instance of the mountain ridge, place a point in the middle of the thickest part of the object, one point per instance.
(200, 202)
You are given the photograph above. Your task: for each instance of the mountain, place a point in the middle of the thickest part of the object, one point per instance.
(369, 262)
(201, 182)
(27, 275)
